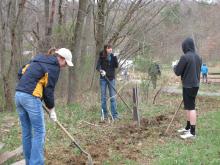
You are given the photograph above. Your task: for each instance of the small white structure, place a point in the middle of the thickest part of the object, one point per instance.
(126, 64)
(28, 53)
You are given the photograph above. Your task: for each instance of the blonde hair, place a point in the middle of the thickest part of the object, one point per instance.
(51, 51)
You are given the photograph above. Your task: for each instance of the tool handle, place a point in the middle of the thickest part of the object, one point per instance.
(173, 117)
(118, 94)
(65, 131)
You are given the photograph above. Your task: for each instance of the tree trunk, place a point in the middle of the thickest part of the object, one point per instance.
(76, 49)
(7, 70)
(99, 35)
(86, 33)
(8, 93)
(2, 54)
(50, 26)
(100, 24)
(19, 41)
(44, 42)
(46, 14)
(7, 76)
(2, 39)
(60, 19)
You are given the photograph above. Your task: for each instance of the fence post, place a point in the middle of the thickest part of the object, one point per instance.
(136, 116)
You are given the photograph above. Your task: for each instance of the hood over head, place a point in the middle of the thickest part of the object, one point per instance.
(188, 45)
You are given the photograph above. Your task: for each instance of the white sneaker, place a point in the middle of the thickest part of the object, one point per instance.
(183, 130)
(188, 136)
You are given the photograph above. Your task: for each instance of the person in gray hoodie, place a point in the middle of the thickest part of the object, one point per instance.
(189, 67)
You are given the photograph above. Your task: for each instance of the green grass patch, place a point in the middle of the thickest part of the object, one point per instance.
(205, 149)
(10, 132)
(209, 87)
(154, 110)
(162, 106)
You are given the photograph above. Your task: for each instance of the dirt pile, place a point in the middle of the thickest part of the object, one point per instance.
(124, 139)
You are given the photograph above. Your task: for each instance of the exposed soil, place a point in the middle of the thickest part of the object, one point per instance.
(124, 139)
(62, 155)
(105, 141)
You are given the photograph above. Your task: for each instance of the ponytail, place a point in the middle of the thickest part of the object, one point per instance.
(51, 51)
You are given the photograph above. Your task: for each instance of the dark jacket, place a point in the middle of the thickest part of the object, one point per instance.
(189, 65)
(108, 65)
(39, 78)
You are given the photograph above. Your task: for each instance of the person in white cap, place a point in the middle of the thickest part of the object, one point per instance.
(37, 81)
(65, 54)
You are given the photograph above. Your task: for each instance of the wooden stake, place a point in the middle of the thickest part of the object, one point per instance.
(136, 116)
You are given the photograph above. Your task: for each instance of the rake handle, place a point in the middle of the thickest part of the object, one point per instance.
(118, 94)
(173, 118)
(66, 132)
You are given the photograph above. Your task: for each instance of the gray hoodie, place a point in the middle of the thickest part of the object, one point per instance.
(189, 65)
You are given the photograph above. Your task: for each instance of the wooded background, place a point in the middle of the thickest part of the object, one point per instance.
(141, 30)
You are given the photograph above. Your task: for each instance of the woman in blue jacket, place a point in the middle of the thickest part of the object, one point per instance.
(37, 81)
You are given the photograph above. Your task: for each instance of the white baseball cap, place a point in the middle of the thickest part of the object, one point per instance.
(66, 54)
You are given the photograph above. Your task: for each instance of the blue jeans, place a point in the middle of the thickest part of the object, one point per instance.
(31, 116)
(104, 83)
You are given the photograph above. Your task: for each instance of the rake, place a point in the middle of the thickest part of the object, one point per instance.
(118, 94)
(90, 162)
(173, 118)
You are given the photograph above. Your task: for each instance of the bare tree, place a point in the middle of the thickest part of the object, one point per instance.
(45, 42)
(10, 24)
(76, 49)
(118, 23)
(60, 20)
(100, 25)
(46, 14)
(87, 33)
(50, 24)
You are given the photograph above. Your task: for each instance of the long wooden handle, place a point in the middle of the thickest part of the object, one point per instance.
(173, 117)
(118, 94)
(66, 132)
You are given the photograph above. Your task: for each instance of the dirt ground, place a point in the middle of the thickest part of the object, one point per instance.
(128, 140)
(105, 141)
